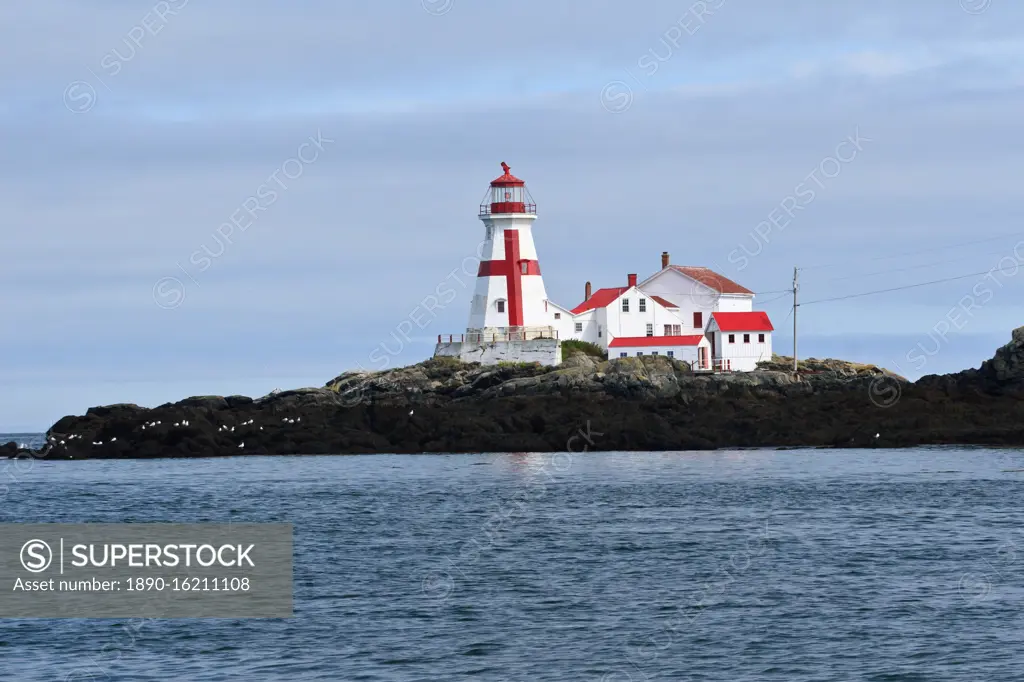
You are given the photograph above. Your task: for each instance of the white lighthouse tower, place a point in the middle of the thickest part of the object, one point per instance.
(509, 297)
(508, 317)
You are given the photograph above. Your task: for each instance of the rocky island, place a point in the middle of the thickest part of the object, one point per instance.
(648, 403)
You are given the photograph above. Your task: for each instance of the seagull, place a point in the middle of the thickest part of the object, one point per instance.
(877, 435)
(232, 428)
(410, 412)
(261, 428)
(143, 427)
(62, 442)
(299, 419)
(175, 423)
(291, 421)
(241, 445)
(113, 439)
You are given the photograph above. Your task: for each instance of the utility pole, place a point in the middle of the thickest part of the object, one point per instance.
(796, 287)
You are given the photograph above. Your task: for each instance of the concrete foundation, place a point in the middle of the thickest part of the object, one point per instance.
(544, 351)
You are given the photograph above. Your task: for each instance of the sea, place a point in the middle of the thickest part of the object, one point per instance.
(789, 565)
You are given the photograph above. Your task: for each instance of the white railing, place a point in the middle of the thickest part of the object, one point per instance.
(476, 336)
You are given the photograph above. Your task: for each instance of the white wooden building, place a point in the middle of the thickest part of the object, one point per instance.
(740, 340)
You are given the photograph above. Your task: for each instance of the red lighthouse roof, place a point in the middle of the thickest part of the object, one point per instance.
(507, 180)
(507, 195)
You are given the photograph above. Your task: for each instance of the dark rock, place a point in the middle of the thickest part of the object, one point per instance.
(648, 403)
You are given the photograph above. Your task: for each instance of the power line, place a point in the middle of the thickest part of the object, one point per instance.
(906, 269)
(918, 251)
(908, 286)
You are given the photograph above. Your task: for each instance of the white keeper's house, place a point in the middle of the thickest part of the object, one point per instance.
(689, 313)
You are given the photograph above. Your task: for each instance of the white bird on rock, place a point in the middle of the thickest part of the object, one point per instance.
(241, 445)
(113, 439)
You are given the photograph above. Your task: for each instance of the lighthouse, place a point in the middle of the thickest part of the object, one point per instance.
(509, 298)
(510, 319)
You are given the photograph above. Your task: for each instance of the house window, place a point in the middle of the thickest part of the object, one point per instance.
(558, 316)
(639, 353)
(671, 353)
(525, 266)
(625, 305)
(732, 338)
(579, 327)
(698, 320)
(677, 330)
(650, 328)
(643, 305)
(746, 338)
(623, 355)
(654, 352)
(501, 306)
(668, 330)
(760, 338)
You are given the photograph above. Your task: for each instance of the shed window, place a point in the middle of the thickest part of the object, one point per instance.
(732, 338)
(623, 355)
(746, 338)
(671, 353)
(760, 338)
(654, 352)
(643, 305)
(639, 353)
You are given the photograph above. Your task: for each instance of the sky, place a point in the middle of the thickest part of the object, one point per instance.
(227, 197)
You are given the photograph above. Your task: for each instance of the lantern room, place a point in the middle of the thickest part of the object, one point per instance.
(508, 194)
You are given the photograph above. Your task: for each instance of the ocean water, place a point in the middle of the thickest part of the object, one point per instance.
(734, 566)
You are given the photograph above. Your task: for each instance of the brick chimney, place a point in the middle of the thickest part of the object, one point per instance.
(664, 259)
(586, 296)
(631, 278)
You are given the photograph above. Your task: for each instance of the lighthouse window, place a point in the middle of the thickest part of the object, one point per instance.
(501, 306)
(579, 327)
(525, 266)
(643, 306)
(698, 320)
(650, 328)
(625, 305)
(490, 231)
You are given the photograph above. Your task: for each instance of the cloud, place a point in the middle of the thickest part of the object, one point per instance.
(100, 206)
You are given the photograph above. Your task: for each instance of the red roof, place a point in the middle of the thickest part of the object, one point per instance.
(599, 299)
(506, 180)
(602, 298)
(743, 322)
(712, 279)
(637, 341)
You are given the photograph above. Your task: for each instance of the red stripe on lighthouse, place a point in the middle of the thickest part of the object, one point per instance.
(512, 270)
(514, 279)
